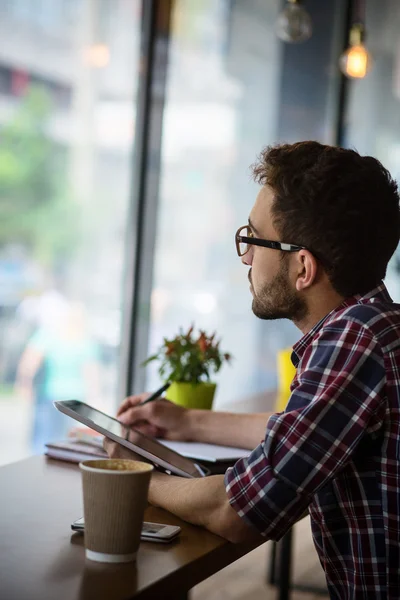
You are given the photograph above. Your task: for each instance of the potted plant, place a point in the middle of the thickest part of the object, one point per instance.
(187, 362)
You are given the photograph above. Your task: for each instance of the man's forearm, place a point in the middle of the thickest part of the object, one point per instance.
(202, 502)
(227, 429)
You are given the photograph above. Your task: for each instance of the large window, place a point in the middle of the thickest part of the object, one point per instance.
(69, 70)
(68, 76)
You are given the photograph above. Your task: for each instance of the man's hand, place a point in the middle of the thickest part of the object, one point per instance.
(159, 418)
(163, 419)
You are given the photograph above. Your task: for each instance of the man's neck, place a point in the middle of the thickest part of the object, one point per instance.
(320, 303)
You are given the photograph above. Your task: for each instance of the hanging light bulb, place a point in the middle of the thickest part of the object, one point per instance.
(356, 61)
(294, 23)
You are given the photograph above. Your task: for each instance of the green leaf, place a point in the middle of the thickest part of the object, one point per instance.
(149, 359)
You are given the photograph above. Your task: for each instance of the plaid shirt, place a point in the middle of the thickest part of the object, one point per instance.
(335, 450)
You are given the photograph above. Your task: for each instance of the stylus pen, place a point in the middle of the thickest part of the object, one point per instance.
(157, 394)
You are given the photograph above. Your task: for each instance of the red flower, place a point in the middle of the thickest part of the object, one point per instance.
(170, 348)
(202, 342)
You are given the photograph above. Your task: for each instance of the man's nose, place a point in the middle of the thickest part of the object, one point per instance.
(247, 258)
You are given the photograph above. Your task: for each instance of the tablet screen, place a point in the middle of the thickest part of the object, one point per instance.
(166, 458)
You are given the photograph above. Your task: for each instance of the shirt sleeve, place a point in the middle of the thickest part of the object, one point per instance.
(339, 397)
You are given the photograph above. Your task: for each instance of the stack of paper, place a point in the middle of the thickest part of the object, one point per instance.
(74, 451)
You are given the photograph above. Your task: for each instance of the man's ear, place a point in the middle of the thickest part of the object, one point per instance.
(307, 270)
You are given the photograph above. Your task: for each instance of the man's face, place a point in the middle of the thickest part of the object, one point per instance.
(272, 281)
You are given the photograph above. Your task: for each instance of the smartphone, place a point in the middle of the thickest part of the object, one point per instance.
(151, 532)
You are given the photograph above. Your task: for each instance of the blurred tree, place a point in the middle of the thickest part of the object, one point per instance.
(36, 211)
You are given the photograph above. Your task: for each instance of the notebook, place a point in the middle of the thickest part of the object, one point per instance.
(206, 452)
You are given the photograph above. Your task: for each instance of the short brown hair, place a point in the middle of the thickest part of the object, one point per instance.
(342, 206)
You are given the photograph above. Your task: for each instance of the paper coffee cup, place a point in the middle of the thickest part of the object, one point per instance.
(114, 500)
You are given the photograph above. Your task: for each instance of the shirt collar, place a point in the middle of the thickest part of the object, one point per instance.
(378, 294)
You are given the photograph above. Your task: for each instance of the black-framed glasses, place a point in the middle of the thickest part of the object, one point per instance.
(244, 238)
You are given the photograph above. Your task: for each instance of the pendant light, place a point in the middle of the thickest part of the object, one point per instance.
(356, 61)
(294, 23)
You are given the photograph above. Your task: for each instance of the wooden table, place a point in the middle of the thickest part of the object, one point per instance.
(41, 559)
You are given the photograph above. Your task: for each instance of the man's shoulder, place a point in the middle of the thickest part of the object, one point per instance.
(367, 316)
(363, 312)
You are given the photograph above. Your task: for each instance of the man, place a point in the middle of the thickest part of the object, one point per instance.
(324, 226)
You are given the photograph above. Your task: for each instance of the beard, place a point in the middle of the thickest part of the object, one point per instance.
(278, 300)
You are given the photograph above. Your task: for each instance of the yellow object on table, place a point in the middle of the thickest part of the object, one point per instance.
(286, 373)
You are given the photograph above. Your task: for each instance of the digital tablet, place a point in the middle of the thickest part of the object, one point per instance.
(147, 447)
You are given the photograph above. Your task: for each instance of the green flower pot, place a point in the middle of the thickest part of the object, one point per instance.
(192, 395)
